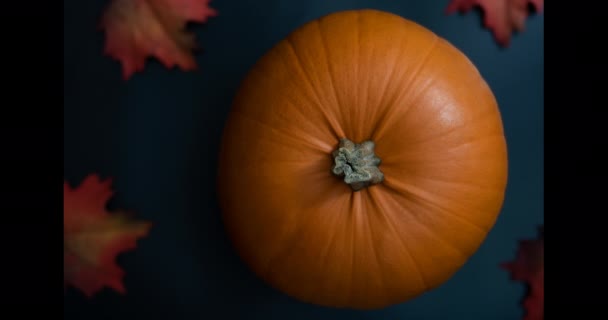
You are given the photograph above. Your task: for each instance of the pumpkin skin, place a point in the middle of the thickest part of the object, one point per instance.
(362, 75)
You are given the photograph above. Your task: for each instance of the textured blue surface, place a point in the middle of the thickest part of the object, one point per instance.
(158, 135)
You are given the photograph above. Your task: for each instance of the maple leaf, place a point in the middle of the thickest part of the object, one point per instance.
(503, 17)
(93, 237)
(529, 267)
(138, 29)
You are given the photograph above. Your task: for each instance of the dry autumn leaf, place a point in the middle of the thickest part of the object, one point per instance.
(529, 267)
(93, 237)
(502, 17)
(138, 29)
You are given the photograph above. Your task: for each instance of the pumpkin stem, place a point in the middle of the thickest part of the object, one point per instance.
(357, 163)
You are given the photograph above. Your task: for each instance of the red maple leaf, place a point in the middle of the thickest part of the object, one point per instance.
(93, 237)
(503, 17)
(138, 29)
(529, 267)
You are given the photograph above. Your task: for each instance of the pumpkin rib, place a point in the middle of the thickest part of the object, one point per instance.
(321, 32)
(461, 144)
(443, 212)
(295, 106)
(387, 125)
(426, 239)
(288, 246)
(276, 261)
(353, 246)
(295, 238)
(417, 220)
(437, 216)
(487, 190)
(392, 186)
(451, 130)
(426, 168)
(466, 184)
(404, 248)
(425, 59)
(381, 125)
(332, 125)
(382, 216)
(371, 238)
(419, 94)
(481, 188)
(326, 252)
(379, 122)
(329, 68)
(391, 225)
(373, 134)
(313, 143)
(350, 262)
(302, 70)
(360, 241)
(403, 160)
(424, 202)
(354, 114)
(353, 252)
(430, 213)
(312, 102)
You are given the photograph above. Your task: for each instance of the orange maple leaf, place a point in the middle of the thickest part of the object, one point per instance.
(93, 237)
(137, 29)
(502, 17)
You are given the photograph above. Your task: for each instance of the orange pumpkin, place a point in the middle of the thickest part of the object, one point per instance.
(363, 162)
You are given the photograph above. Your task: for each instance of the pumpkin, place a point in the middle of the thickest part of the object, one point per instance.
(363, 162)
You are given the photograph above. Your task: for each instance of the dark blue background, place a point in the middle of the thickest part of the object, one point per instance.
(158, 135)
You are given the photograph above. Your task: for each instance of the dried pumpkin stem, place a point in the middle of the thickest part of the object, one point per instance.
(357, 163)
